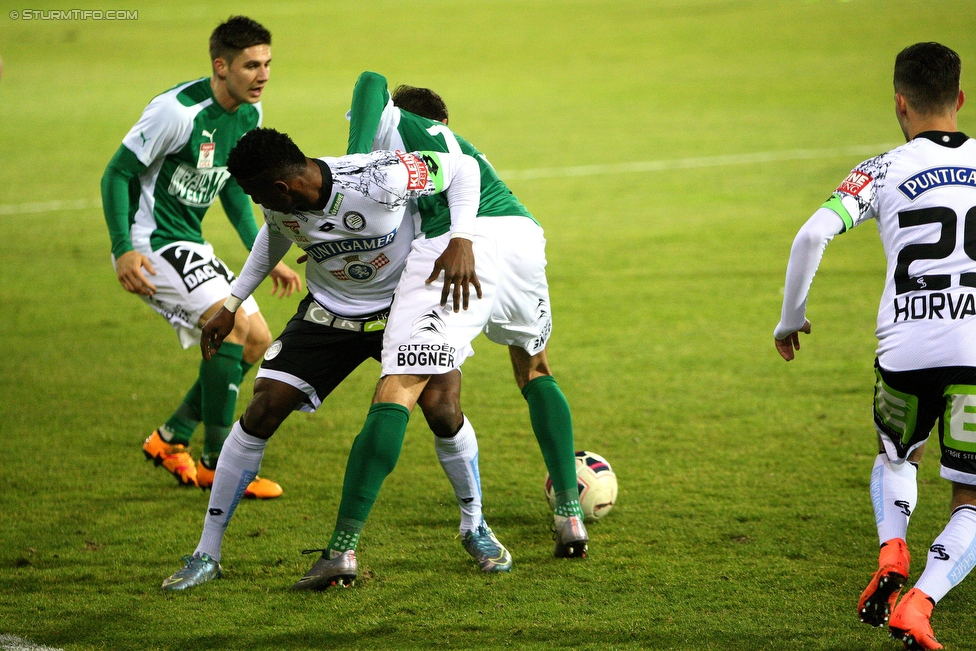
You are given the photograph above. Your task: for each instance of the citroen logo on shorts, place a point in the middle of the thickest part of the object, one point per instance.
(354, 221)
(273, 350)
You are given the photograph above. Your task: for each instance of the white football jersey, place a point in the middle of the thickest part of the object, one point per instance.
(923, 197)
(357, 245)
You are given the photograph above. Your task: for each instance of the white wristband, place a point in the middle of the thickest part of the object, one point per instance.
(232, 303)
(466, 236)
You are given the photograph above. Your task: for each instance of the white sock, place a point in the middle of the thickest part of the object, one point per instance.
(894, 494)
(238, 464)
(951, 556)
(459, 459)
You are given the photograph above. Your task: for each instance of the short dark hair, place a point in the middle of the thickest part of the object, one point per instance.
(927, 74)
(235, 34)
(420, 101)
(261, 151)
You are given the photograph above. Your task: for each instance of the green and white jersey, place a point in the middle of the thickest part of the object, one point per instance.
(376, 124)
(922, 196)
(183, 139)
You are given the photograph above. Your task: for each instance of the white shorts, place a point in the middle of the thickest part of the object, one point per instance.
(423, 338)
(189, 280)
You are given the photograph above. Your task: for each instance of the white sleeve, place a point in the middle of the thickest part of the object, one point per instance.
(808, 249)
(164, 127)
(462, 181)
(268, 250)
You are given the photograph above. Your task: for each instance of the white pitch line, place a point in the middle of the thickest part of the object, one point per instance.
(691, 163)
(14, 643)
(562, 172)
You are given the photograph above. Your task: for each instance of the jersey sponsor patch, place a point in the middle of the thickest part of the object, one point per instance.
(417, 170)
(194, 268)
(936, 177)
(197, 188)
(322, 251)
(854, 183)
(336, 203)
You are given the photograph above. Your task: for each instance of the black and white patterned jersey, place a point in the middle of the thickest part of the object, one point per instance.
(922, 196)
(358, 244)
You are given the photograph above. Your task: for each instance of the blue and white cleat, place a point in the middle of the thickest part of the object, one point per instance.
(340, 570)
(570, 536)
(198, 569)
(485, 548)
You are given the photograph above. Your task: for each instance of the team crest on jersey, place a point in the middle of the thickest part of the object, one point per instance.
(361, 271)
(416, 170)
(354, 221)
(854, 183)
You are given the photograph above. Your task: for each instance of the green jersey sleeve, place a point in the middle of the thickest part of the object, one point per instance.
(370, 98)
(120, 197)
(237, 205)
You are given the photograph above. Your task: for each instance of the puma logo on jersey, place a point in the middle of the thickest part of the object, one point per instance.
(144, 138)
(209, 134)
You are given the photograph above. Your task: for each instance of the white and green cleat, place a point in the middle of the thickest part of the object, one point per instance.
(484, 547)
(197, 570)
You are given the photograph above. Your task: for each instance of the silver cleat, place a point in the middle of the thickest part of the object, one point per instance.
(328, 571)
(570, 536)
(198, 569)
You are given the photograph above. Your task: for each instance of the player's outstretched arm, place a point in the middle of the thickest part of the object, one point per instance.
(285, 279)
(805, 255)
(791, 342)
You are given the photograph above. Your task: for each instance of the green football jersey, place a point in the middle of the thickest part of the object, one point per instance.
(175, 163)
(375, 123)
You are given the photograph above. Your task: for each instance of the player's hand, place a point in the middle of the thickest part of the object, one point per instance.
(286, 280)
(215, 330)
(457, 263)
(786, 346)
(129, 266)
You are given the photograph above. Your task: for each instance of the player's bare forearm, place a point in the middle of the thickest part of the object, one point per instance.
(215, 330)
(457, 263)
(285, 279)
(128, 267)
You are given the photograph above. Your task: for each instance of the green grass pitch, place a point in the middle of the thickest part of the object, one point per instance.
(743, 520)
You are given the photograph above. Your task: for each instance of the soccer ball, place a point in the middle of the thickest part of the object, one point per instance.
(597, 486)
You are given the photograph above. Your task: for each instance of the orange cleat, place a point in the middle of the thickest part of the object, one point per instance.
(910, 622)
(260, 488)
(882, 592)
(174, 457)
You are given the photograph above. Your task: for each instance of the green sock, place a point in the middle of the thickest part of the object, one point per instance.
(373, 456)
(553, 427)
(220, 380)
(346, 535)
(185, 419)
